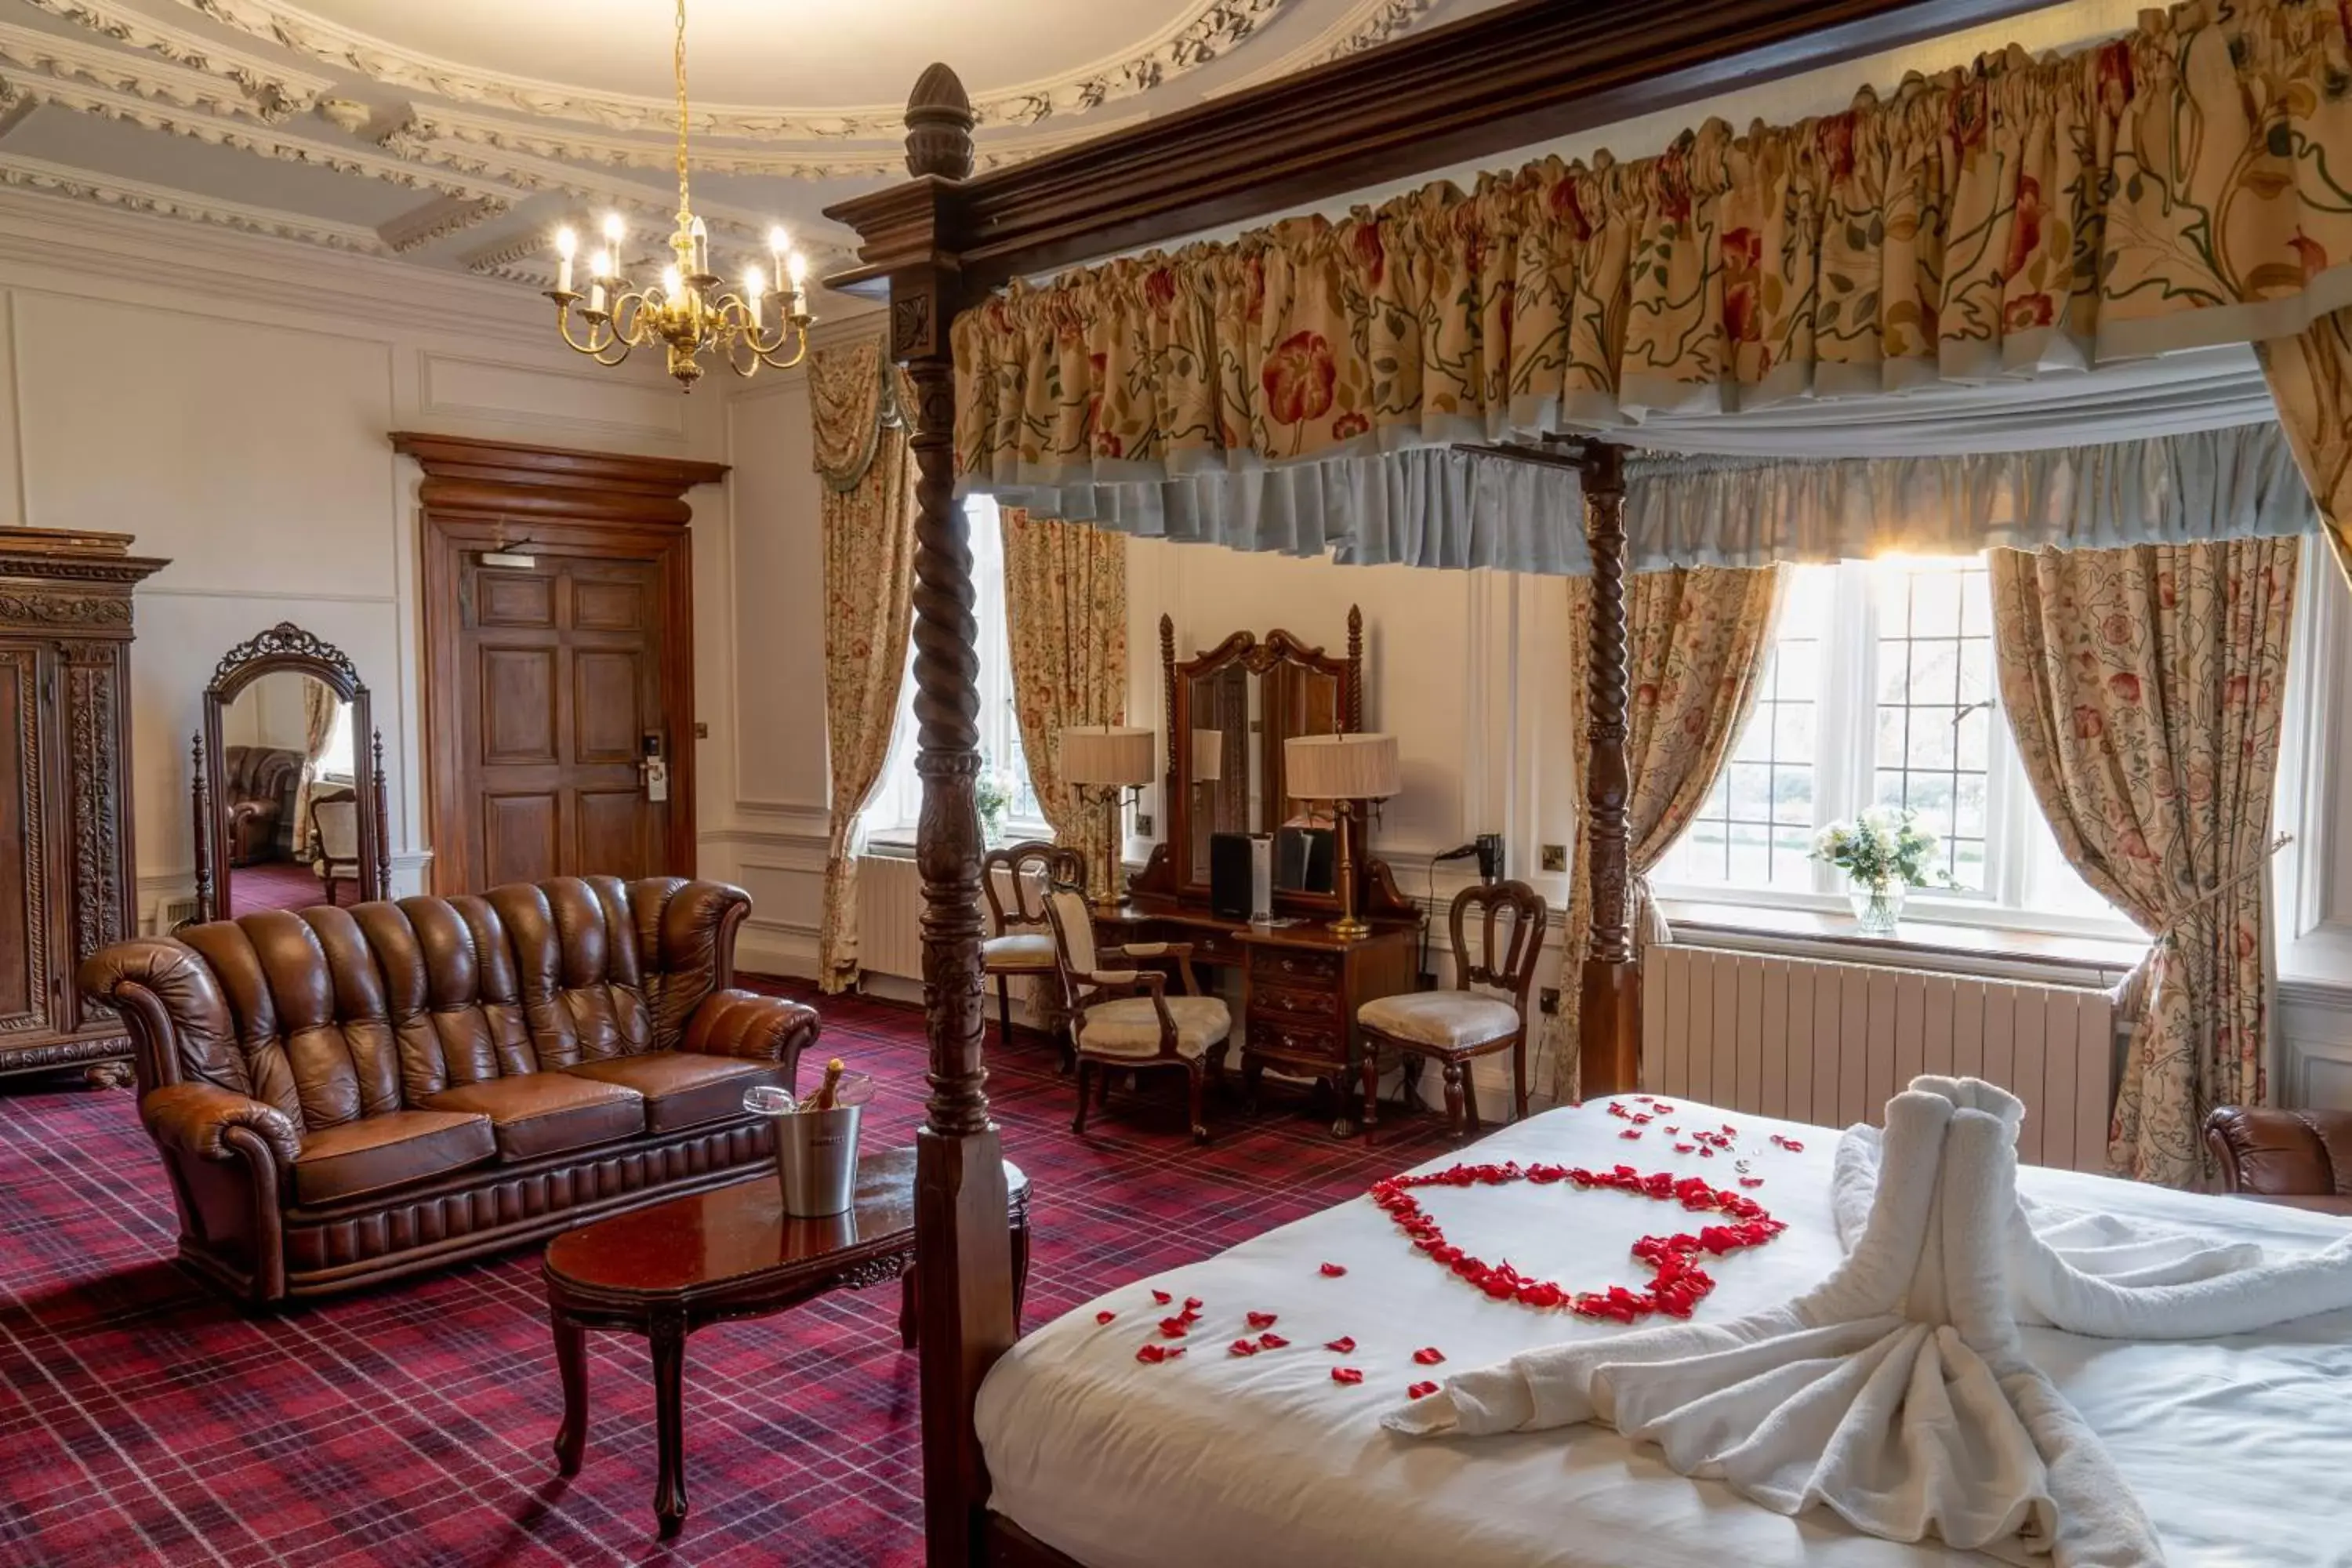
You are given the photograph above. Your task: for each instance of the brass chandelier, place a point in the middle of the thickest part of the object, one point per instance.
(686, 311)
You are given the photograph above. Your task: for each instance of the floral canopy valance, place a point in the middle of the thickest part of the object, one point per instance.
(2184, 186)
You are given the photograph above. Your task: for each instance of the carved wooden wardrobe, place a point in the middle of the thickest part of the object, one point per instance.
(68, 882)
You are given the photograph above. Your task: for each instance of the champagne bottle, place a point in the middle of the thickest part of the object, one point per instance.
(829, 1092)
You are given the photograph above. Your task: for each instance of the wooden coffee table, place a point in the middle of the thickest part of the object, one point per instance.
(732, 1252)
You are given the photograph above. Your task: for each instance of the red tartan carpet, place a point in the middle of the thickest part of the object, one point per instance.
(143, 1420)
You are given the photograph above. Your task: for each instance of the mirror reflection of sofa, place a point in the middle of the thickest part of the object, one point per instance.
(258, 795)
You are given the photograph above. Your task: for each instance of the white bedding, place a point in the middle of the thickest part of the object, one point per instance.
(2240, 1450)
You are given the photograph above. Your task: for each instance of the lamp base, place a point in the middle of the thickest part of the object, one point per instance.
(1350, 928)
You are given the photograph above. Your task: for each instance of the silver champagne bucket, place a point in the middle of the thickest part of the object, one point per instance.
(816, 1159)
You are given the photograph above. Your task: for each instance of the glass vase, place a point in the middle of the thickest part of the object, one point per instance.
(1877, 906)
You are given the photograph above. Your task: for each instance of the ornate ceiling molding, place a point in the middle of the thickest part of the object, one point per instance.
(130, 195)
(272, 91)
(246, 137)
(1366, 26)
(479, 135)
(1206, 30)
(439, 219)
(97, 64)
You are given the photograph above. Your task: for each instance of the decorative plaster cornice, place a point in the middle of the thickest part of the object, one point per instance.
(272, 91)
(132, 195)
(1367, 25)
(517, 259)
(1204, 31)
(265, 140)
(478, 134)
(439, 219)
(98, 66)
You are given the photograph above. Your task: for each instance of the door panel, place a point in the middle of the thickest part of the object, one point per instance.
(24, 911)
(562, 666)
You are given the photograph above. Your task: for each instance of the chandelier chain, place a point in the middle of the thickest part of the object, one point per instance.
(678, 58)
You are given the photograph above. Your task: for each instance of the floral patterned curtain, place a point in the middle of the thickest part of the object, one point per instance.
(2182, 186)
(868, 523)
(1697, 641)
(320, 707)
(1065, 611)
(2311, 381)
(2145, 685)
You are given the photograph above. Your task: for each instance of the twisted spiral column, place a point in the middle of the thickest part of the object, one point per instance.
(1607, 781)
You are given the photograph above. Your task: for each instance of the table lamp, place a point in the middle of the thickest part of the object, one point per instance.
(1342, 769)
(1208, 755)
(1104, 764)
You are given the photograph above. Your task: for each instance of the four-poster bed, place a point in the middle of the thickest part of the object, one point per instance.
(935, 244)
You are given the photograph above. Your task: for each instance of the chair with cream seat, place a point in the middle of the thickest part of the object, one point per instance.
(1457, 1026)
(1022, 944)
(1122, 1020)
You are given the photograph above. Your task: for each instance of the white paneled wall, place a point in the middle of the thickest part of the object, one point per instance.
(229, 401)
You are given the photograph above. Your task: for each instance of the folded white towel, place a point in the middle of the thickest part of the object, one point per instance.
(1895, 1393)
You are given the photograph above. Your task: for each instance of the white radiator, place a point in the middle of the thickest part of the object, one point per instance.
(1828, 1043)
(889, 916)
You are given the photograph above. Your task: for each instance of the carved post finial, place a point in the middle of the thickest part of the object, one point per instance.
(939, 126)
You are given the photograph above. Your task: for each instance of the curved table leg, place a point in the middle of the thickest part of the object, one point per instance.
(571, 1364)
(667, 1333)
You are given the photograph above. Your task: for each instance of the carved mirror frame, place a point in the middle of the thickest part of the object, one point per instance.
(285, 646)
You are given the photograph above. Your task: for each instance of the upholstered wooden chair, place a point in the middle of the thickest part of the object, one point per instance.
(335, 835)
(1121, 1018)
(1022, 944)
(1455, 1027)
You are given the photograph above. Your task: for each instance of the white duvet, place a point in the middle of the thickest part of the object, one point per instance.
(2239, 1449)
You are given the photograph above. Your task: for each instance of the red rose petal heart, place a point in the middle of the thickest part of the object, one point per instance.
(1420, 1391)
(1271, 1341)
(1332, 1271)
(1105, 1317)
(1345, 1344)
(1348, 1374)
(1262, 1320)
(1429, 1355)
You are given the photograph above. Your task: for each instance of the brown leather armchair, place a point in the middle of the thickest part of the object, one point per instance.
(343, 1096)
(2299, 1158)
(256, 792)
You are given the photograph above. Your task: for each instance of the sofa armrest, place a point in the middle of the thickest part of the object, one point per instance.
(2268, 1153)
(755, 1028)
(195, 1118)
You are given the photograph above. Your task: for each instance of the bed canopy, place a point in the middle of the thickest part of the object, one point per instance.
(1993, 244)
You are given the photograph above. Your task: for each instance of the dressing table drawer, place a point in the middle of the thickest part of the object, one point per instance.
(1294, 1003)
(1297, 1040)
(1304, 967)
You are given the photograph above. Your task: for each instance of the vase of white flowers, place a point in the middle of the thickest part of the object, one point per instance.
(1885, 854)
(992, 793)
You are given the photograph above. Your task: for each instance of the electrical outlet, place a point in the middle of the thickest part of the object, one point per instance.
(1555, 856)
(1548, 999)
(701, 731)
(1143, 825)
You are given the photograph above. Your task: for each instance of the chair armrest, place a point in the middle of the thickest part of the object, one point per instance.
(2282, 1153)
(754, 1027)
(195, 1118)
(1123, 982)
(1180, 951)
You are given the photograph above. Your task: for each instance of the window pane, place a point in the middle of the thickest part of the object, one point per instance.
(1934, 664)
(1756, 829)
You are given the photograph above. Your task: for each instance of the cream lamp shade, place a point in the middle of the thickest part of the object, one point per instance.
(1208, 755)
(1107, 755)
(1340, 767)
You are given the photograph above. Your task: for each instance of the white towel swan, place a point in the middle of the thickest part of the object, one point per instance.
(1896, 1392)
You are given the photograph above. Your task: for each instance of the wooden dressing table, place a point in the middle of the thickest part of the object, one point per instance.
(1301, 982)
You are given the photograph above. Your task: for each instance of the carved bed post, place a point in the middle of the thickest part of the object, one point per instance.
(383, 889)
(201, 807)
(1609, 1047)
(964, 1256)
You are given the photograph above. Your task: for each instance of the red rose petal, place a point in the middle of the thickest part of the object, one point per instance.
(1792, 1146)
(1685, 1148)
(1262, 1320)
(1332, 1271)
(1420, 1391)
(1751, 1181)
(1271, 1341)
(1347, 1375)
(1162, 1297)
(1154, 1354)
(1105, 1317)
(1242, 1347)
(1174, 1327)
(1630, 1132)
(1429, 1355)
(1345, 1344)
(1191, 1303)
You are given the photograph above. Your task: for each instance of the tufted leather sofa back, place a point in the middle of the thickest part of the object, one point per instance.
(331, 1014)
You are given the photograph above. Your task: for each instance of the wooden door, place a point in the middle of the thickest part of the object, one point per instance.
(28, 923)
(560, 676)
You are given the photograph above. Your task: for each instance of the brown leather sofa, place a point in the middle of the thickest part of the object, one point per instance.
(257, 791)
(343, 1096)
(2299, 1158)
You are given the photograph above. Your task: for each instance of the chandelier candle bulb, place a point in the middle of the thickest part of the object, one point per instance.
(566, 242)
(600, 267)
(698, 233)
(753, 284)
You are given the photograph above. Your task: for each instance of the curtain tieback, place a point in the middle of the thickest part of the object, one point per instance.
(2126, 995)
(1643, 906)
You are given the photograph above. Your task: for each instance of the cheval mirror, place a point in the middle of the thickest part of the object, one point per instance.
(290, 810)
(1228, 712)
